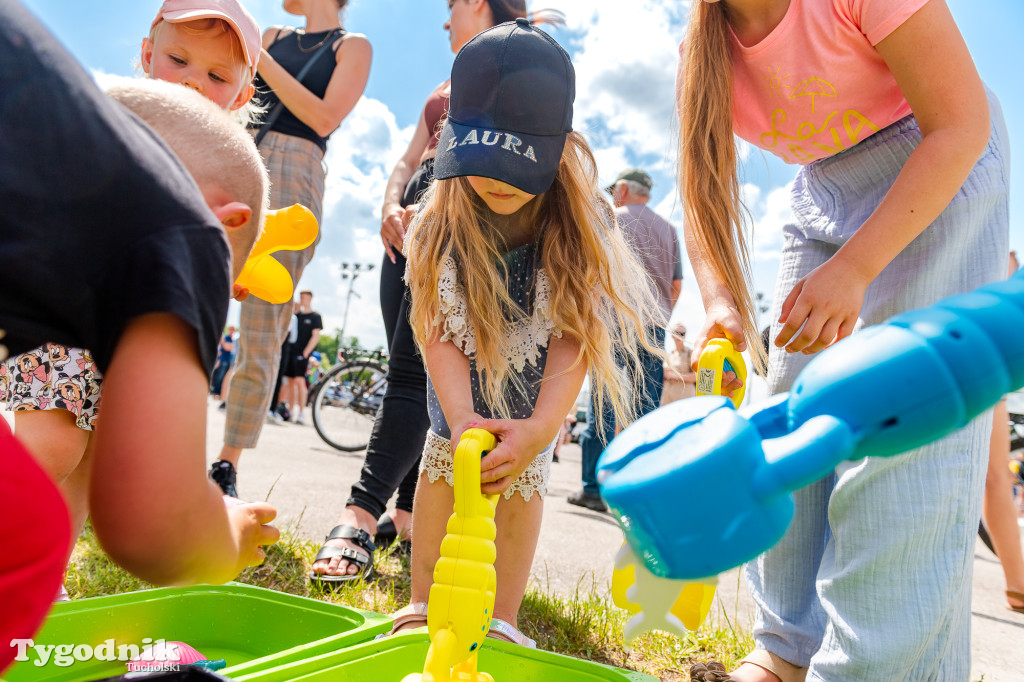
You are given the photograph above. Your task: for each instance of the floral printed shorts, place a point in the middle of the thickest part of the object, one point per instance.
(53, 377)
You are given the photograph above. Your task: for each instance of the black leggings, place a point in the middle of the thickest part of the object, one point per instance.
(396, 442)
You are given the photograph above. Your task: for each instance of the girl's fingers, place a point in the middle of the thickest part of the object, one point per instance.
(809, 333)
(787, 305)
(828, 333)
(496, 487)
(846, 328)
(791, 317)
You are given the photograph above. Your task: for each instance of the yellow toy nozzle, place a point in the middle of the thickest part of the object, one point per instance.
(637, 590)
(462, 597)
(718, 357)
(285, 229)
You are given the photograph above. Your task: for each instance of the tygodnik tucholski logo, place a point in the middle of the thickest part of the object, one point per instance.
(151, 656)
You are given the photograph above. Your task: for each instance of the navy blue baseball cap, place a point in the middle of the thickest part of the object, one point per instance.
(510, 110)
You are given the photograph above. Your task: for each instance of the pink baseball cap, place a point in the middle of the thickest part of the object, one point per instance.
(231, 11)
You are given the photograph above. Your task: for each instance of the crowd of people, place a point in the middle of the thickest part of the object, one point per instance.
(510, 275)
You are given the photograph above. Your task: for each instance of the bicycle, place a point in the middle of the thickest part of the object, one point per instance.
(345, 400)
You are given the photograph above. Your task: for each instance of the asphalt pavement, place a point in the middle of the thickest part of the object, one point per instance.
(309, 483)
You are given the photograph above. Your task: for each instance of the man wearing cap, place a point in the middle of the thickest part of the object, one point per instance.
(657, 246)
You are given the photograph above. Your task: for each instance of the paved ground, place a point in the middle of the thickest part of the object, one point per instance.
(309, 483)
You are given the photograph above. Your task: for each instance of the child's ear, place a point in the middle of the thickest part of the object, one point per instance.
(147, 54)
(232, 215)
(244, 96)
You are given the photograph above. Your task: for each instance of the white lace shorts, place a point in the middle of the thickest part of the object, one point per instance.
(437, 462)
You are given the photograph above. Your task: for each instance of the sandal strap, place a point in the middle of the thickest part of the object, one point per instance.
(415, 612)
(510, 633)
(357, 535)
(346, 553)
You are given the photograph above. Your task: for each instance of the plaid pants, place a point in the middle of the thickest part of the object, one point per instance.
(297, 174)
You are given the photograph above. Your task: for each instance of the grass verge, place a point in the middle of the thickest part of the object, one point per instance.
(584, 624)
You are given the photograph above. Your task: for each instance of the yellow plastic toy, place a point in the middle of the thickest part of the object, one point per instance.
(712, 365)
(462, 597)
(285, 229)
(634, 587)
(645, 595)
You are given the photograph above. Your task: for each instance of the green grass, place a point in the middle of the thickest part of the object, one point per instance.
(585, 624)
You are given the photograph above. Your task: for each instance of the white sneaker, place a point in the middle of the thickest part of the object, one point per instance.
(274, 418)
(301, 418)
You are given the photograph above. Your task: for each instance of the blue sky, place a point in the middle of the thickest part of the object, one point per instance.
(625, 58)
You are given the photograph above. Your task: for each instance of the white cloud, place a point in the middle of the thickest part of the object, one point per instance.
(625, 75)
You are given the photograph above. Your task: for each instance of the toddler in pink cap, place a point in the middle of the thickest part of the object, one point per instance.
(211, 46)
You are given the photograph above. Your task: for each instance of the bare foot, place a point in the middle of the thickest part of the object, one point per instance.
(750, 672)
(357, 518)
(1016, 600)
(403, 522)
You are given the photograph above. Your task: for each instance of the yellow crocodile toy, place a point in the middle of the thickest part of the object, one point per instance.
(462, 597)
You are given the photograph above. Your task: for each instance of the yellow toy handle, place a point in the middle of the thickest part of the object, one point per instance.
(461, 600)
(719, 356)
(286, 229)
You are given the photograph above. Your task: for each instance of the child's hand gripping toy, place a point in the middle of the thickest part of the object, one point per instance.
(462, 597)
(285, 229)
(951, 361)
(638, 590)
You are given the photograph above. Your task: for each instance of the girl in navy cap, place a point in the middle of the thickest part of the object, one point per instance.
(521, 283)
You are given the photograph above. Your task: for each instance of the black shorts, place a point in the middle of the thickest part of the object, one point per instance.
(296, 366)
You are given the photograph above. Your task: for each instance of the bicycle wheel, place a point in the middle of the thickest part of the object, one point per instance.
(346, 403)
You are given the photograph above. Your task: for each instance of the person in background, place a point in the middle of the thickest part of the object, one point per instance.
(680, 379)
(225, 359)
(293, 145)
(657, 245)
(997, 507)
(309, 324)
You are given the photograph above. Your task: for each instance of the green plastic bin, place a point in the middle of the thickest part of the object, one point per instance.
(392, 658)
(252, 628)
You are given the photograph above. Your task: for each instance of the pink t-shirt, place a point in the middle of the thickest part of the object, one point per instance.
(816, 85)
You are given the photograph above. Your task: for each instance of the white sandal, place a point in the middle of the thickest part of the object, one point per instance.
(507, 632)
(415, 612)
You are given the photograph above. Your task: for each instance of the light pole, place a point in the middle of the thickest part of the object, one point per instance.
(351, 272)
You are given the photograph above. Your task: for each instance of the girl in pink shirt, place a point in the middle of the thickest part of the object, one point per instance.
(900, 200)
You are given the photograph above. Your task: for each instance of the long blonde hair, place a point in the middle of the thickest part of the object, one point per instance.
(708, 183)
(600, 294)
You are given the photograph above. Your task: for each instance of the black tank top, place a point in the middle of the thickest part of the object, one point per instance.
(292, 52)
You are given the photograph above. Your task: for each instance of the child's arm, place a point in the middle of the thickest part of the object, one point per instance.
(153, 508)
(346, 86)
(448, 367)
(933, 68)
(521, 440)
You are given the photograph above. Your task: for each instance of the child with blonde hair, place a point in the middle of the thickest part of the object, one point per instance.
(212, 47)
(521, 281)
(142, 276)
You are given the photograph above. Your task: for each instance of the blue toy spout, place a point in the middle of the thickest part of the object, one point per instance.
(699, 488)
